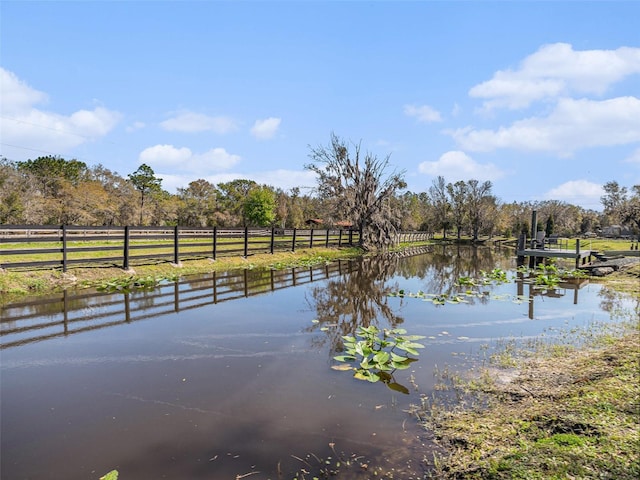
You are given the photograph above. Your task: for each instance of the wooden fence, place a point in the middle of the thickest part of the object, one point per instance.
(29, 246)
(63, 245)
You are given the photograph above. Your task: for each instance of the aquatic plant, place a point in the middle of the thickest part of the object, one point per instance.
(374, 354)
(134, 283)
(497, 275)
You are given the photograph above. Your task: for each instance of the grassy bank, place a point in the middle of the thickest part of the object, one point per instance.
(14, 284)
(563, 412)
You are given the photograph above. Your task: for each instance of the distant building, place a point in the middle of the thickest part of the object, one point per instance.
(616, 231)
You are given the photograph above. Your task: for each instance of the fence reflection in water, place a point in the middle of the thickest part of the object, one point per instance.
(74, 312)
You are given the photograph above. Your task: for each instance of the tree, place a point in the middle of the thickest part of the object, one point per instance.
(613, 200)
(296, 208)
(355, 187)
(259, 206)
(145, 181)
(234, 195)
(51, 172)
(548, 229)
(458, 197)
(413, 210)
(198, 204)
(441, 205)
(477, 197)
(630, 211)
(119, 206)
(12, 187)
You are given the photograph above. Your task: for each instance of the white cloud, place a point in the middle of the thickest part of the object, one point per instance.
(191, 122)
(17, 96)
(573, 125)
(202, 164)
(577, 192)
(423, 113)
(28, 127)
(456, 165)
(265, 129)
(557, 70)
(634, 157)
(136, 126)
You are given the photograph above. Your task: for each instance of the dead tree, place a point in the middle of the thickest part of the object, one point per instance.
(355, 188)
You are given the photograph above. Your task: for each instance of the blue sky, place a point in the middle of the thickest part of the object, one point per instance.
(542, 98)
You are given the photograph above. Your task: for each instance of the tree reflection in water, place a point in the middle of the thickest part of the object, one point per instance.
(446, 264)
(613, 302)
(360, 298)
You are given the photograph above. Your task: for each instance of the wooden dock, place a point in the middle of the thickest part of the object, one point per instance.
(580, 256)
(538, 252)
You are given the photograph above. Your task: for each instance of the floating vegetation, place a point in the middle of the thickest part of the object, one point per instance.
(497, 275)
(543, 277)
(548, 277)
(374, 354)
(112, 475)
(129, 284)
(305, 262)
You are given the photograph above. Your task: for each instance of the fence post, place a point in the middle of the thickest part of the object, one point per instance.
(273, 233)
(293, 243)
(326, 244)
(176, 248)
(64, 248)
(350, 237)
(246, 242)
(311, 239)
(125, 260)
(215, 238)
(340, 238)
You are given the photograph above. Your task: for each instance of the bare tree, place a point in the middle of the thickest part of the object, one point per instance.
(355, 188)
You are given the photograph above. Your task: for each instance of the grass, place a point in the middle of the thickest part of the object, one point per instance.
(562, 412)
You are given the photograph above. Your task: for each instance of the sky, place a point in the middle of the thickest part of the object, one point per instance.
(541, 98)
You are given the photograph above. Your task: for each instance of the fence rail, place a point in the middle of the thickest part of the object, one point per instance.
(28, 246)
(62, 246)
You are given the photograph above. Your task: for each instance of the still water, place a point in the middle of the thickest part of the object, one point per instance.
(229, 375)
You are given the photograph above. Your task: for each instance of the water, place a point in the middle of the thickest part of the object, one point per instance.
(227, 375)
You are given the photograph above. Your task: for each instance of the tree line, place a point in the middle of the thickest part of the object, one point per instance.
(354, 187)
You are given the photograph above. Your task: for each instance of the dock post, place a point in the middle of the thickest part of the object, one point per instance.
(520, 248)
(577, 253)
(534, 232)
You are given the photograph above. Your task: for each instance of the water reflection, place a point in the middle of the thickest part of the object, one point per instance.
(229, 376)
(359, 299)
(616, 303)
(73, 312)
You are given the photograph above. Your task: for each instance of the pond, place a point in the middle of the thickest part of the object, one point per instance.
(229, 375)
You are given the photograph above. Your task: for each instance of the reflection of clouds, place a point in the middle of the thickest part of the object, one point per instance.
(54, 362)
